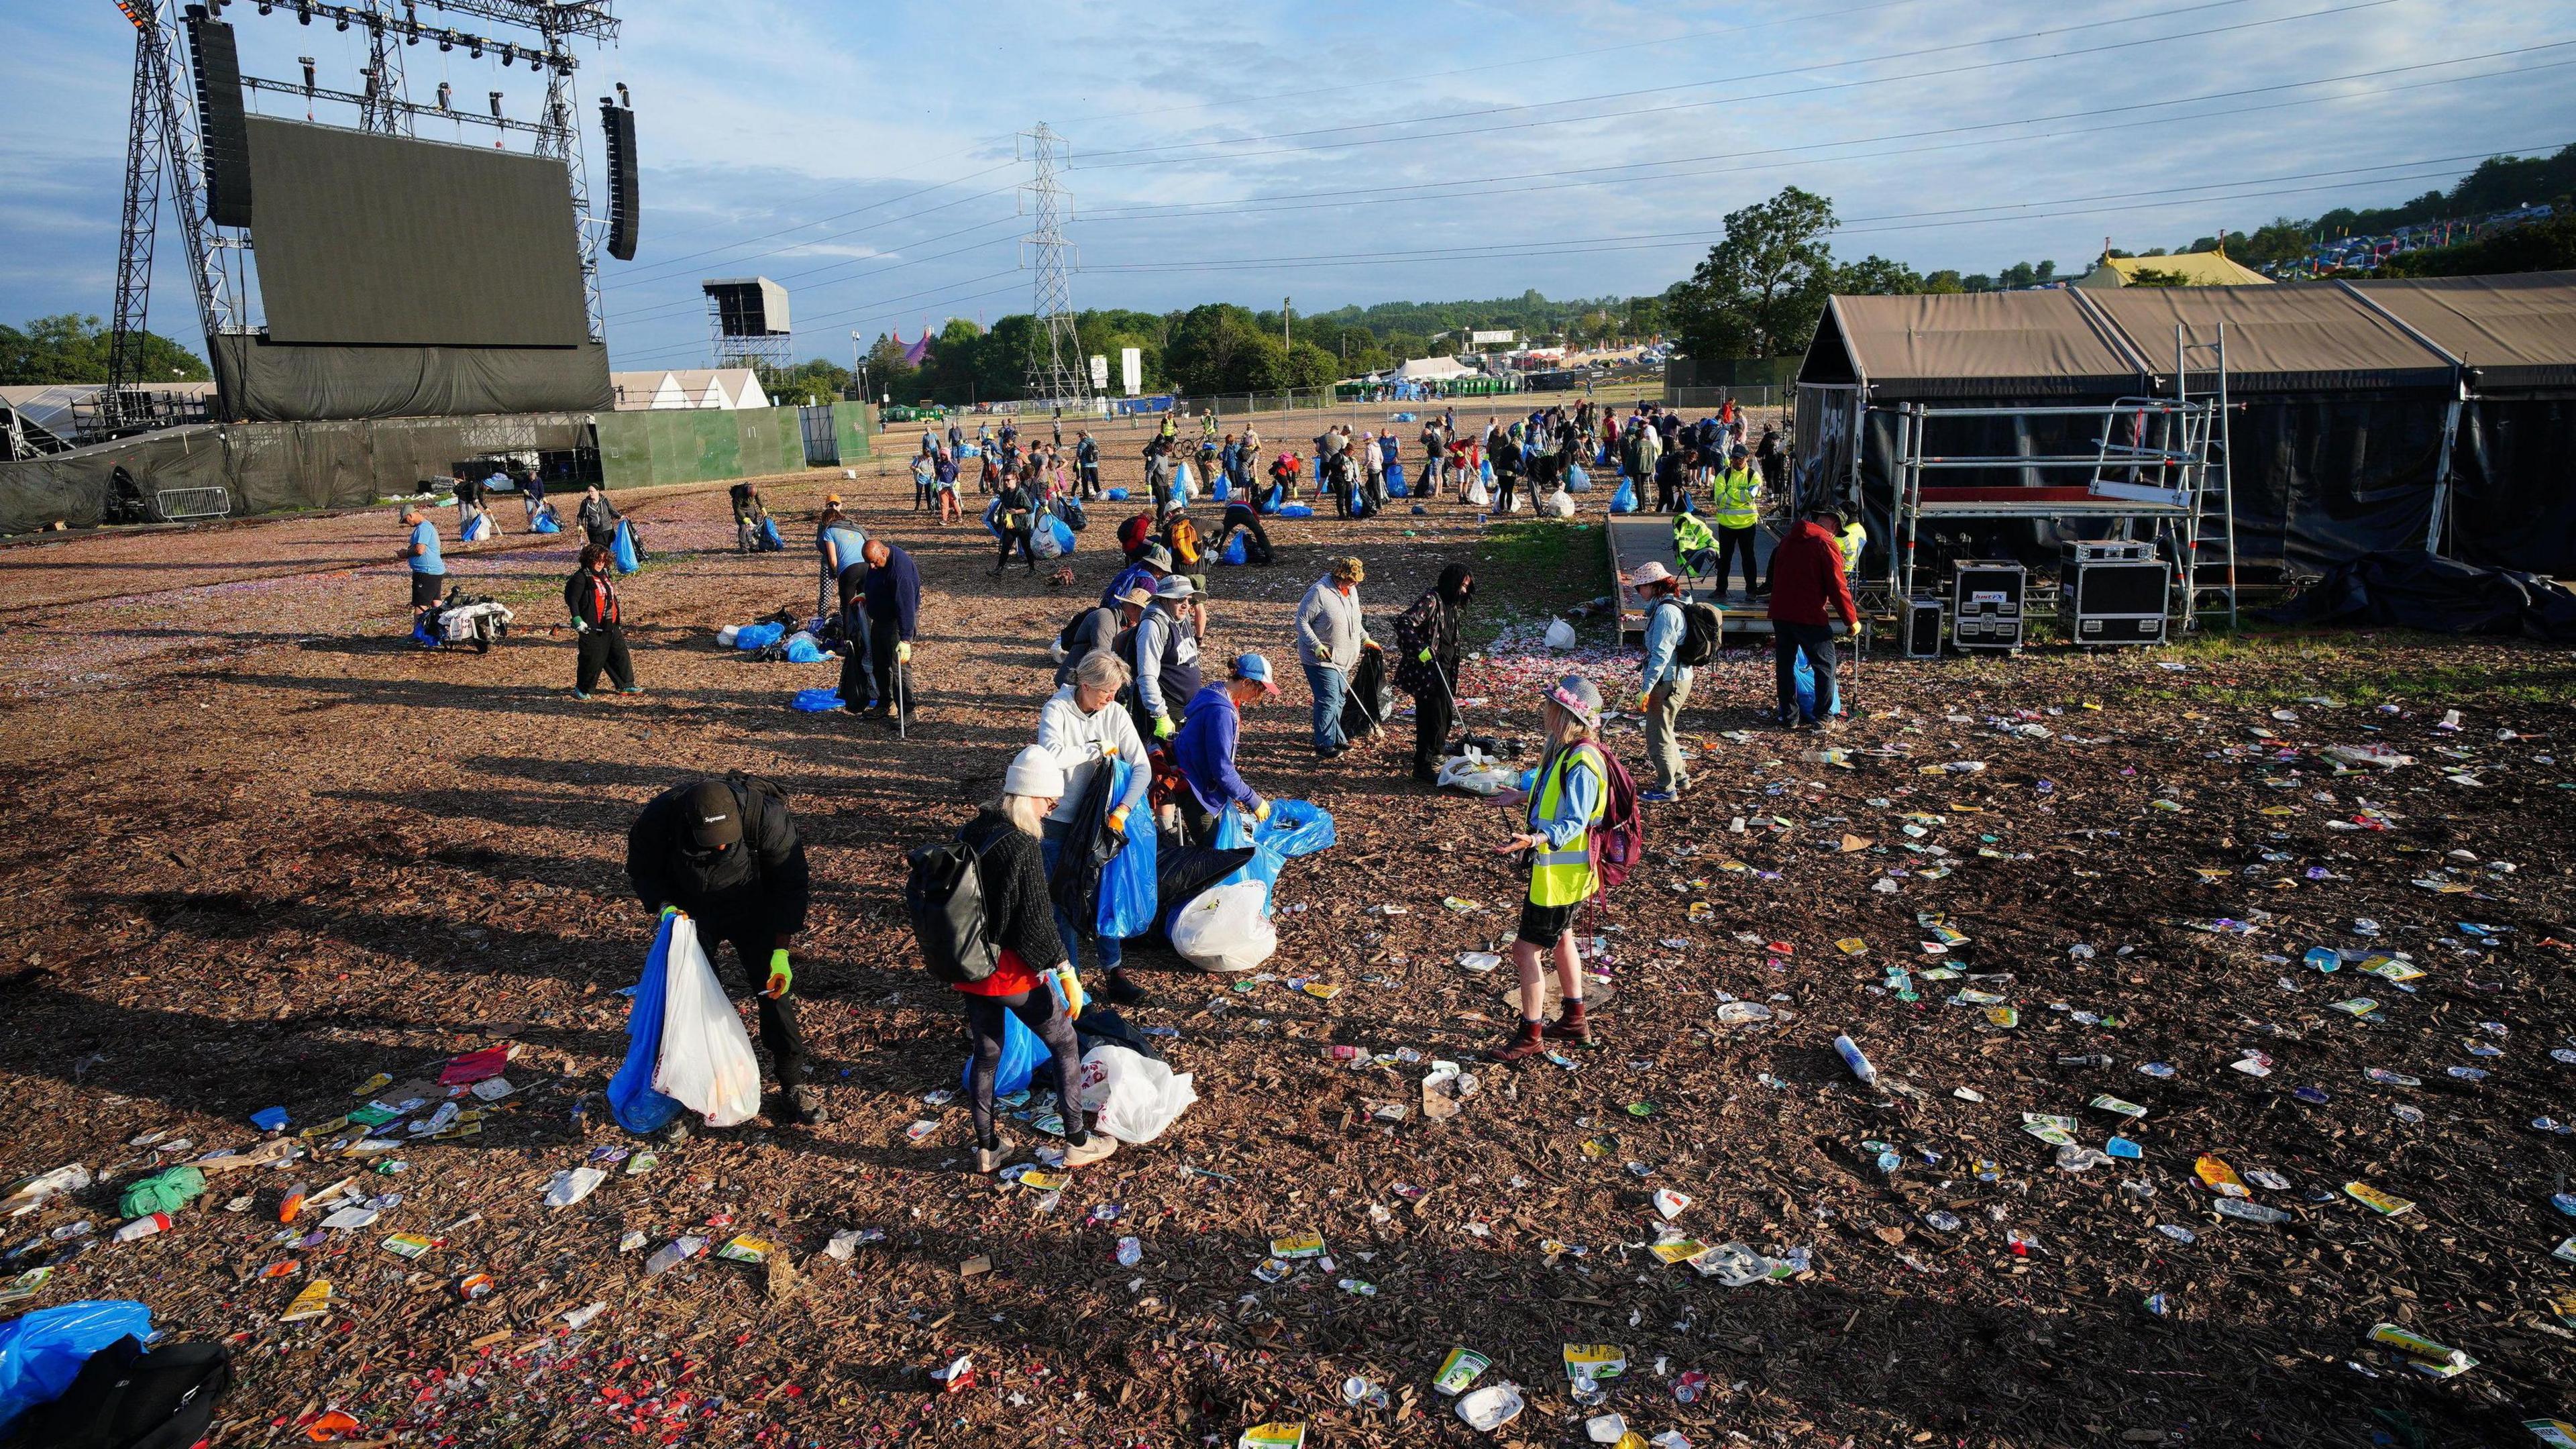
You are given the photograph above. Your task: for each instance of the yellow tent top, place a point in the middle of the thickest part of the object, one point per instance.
(2197, 269)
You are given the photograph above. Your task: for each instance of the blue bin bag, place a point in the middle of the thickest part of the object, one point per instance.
(1063, 534)
(1485, 469)
(1130, 884)
(993, 518)
(1295, 827)
(1220, 487)
(544, 523)
(1625, 500)
(1233, 552)
(1806, 689)
(41, 1353)
(622, 552)
(631, 1098)
(803, 650)
(1276, 495)
(1577, 481)
(769, 539)
(1295, 510)
(1117, 495)
(1020, 1052)
(816, 701)
(758, 636)
(1395, 481)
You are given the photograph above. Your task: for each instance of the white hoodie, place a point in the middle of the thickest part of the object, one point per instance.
(1081, 741)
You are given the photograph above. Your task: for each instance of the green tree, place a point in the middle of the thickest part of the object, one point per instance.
(1876, 276)
(71, 347)
(2541, 246)
(1761, 289)
(1945, 281)
(889, 376)
(812, 381)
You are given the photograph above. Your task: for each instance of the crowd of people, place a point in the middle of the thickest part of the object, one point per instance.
(1135, 687)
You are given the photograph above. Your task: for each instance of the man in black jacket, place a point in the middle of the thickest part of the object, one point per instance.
(725, 852)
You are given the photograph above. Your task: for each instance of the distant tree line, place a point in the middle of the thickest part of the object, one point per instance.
(73, 348)
(1758, 293)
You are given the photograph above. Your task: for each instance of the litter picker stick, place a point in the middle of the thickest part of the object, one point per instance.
(902, 729)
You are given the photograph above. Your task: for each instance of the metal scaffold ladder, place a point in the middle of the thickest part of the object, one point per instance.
(2211, 493)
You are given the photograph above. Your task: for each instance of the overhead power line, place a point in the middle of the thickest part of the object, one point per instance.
(1811, 89)
(1918, 221)
(1553, 57)
(1435, 191)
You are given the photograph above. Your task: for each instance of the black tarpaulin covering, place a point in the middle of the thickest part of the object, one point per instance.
(2328, 477)
(277, 382)
(265, 467)
(2412, 589)
(2513, 485)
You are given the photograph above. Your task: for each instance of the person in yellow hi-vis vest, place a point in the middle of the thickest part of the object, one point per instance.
(1694, 547)
(1735, 505)
(1851, 541)
(1566, 798)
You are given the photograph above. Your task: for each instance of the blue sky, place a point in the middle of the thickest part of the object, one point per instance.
(1336, 153)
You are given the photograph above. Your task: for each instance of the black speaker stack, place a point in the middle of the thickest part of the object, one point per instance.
(221, 132)
(619, 124)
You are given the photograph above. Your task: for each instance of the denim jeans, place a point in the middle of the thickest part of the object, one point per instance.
(1106, 951)
(1328, 684)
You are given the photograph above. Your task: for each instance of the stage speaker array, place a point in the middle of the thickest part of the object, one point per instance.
(220, 130)
(619, 123)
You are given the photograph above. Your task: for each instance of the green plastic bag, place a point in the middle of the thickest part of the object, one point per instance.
(165, 1191)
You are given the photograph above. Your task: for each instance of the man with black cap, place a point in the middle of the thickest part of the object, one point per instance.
(1806, 582)
(725, 852)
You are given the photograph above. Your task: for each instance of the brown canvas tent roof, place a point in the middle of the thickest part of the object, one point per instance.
(2308, 337)
(2516, 331)
(1973, 343)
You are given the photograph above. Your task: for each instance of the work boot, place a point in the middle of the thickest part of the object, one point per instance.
(990, 1160)
(1118, 990)
(1525, 1043)
(1092, 1149)
(799, 1106)
(1571, 1025)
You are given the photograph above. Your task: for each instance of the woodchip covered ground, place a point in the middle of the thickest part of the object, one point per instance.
(264, 849)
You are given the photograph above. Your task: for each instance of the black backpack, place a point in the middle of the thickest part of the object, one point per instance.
(945, 897)
(1702, 626)
(125, 1398)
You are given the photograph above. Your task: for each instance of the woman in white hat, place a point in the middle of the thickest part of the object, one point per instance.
(1565, 801)
(1021, 919)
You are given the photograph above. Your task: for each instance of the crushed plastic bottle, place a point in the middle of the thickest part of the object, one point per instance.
(672, 1254)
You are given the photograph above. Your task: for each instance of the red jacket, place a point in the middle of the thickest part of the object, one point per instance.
(1806, 575)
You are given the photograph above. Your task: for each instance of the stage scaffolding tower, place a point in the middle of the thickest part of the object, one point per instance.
(164, 155)
(1057, 373)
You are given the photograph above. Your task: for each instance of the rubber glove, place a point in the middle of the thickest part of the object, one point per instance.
(1118, 820)
(1424, 656)
(669, 911)
(782, 978)
(1163, 727)
(903, 651)
(1261, 812)
(1645, 700)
